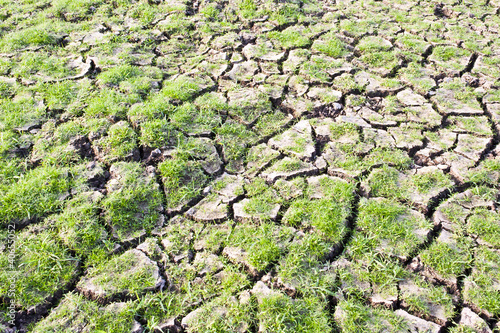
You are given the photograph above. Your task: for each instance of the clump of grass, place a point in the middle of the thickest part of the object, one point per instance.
(41, 267)
(234, 139)
(447, 53)
(481, 286)
(177, 23)
(346, 83)
(37, 65)
(158, 133)
(135, 205)
(486, 225)
(120, 273)
(51, 145)
(422, 300)
(120, 142)
(210, 12)
(37, 192)
(289, 165)
(325, 215)
(331, 45)
(291, 38)
(78, 224)
(73, 10)
(304, 267)
(316, 69)
(265, 244)
(65, 95)
(39, 35)
(130, 79)
(181, 88)
(354, 316)
(279, 313)
(108, 102)
(182, 179)
(390, 183)
(387, 227)
(75, 313)
(262, 199)
(155, 107)
(449, 259)
(19, 112)
(193, 120)
(223, 314)
(425, 182)
(393, 157)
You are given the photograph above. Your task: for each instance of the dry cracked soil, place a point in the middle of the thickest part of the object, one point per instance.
(249, 166)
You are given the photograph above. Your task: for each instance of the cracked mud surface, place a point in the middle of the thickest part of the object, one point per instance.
(250, 166)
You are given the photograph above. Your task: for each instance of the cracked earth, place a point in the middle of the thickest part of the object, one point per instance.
(250, 166)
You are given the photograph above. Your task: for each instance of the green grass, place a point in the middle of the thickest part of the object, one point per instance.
(327, 216)
(35, 194)
(316, 69)
(347, 84)
(415, 75)
(421, 303)
(264, 244)
(158, 133)
(447, 53)
(461, 93)
(461, 328)
(262, 199)
(304, 267)
(10, 171)
(182, 88)
(67, 95)
(189, 288)
(195, 121)
(223, 314)
(40, 268)
(234, 139)
(388, 228)
(488, 172)
(182, 180)
(449, 260)
(135, 204)
(474, 125)
(388, 182)
(78, 224)
(353, 316)
(75, 312)
(162, 81)
(156, 106)
(486, 225)
(120, 274)
(73, 10)
(20, 112)
(427, 181)
(41, 35)
(119, 144)
(130, 79)
(331, 46)
(481, 290)
(385, 60)
(373, 44)
(52, 143)
(279, 313)
(38, 65)
(271, 123)
(291, 38)
(108, 102)
(413, 43)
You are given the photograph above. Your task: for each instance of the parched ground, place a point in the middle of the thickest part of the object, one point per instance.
(249, 166)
